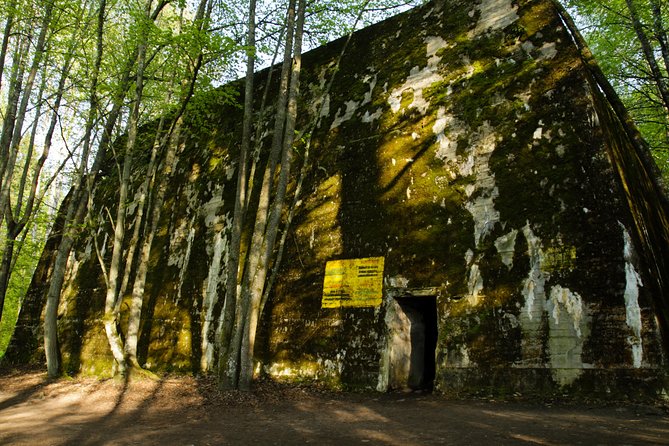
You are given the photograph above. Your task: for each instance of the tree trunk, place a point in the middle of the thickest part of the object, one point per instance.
(18, 219)
(77, 205)
(134, 317)
(660, 32)
(8, 173)
(112, 298)
(169, 141)
(11, 7)
(235, 356)
(228, 356)
(262, 247)
(13, 98)
(5, 265)
(657, 76)
(305, 164)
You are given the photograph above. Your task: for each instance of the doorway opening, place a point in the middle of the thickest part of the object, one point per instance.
(412, 342)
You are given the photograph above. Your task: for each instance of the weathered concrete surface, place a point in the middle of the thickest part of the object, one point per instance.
(468, 150)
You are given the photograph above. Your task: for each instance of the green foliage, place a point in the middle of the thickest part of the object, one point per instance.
(27, 254)
(608, 28)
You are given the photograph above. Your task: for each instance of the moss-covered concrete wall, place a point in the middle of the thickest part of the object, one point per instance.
(461, 142)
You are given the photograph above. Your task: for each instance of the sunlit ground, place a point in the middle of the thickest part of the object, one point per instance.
(185, 411)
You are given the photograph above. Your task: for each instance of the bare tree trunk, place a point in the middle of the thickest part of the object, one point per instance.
(225, 323)
(228, 357)
(658, 78)
(113, 299)
(18, 219)
(660, 31)
(305, 164)
(31, 147)
(138, 224)
(9, 23)
(76, 208)
(251, 260)
(134, 317)
(12, 150)
(81, 194)
(262, 246)
(5, 264)
(169, 141)
(13, 98)
(661, 36)
(6, 268)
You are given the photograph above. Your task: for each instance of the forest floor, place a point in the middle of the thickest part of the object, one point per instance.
(191, 411)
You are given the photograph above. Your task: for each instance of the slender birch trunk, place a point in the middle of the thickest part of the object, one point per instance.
(649, 55)
(660, 32)
(13, 98)
(18, 218)
(266, 247)
(304, 169)
(250, 262)
(112, 297)
(77, 205)
(15, 139)
(9, 24)
(228, 356)
(169, 141)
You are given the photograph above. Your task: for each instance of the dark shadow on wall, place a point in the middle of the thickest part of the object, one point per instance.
(24, 346)
(366, 219)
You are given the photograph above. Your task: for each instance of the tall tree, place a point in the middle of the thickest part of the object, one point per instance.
(75, 208)
(169, 144)
(113, 297)
(9, 143)
(248, 270)
(228, 359)
(629, 39)
(9, 13)
(236, 362)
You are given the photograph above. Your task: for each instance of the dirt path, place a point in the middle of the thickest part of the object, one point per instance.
(189, 411)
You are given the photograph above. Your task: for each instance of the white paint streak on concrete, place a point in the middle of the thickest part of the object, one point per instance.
(181, 232)
(325, 109)
(533, 286)
(506, 246)
(528, 46)
(482, 207)
(567, 332)
(474, 285)
(351, 107)
(563, 303)
(186, 256)
(568, 321)
(214, 277)
(495, 15)
(447, 150)
(369, 118)
(372, 83)
(178, 237)
(633, 311)
(548, 50)
(419, 79)
(216, 224)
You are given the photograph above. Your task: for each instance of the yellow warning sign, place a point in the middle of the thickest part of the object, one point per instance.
(353, 283)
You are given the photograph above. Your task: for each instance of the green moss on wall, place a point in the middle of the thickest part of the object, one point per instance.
(470, 159)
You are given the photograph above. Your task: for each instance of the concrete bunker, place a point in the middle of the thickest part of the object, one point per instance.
(471, 152)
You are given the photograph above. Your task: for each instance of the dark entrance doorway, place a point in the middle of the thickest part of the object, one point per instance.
(412, 341)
